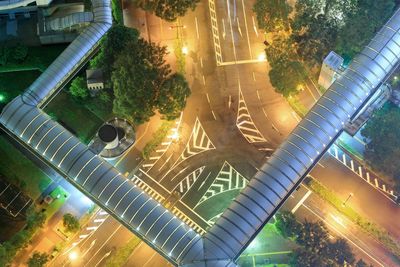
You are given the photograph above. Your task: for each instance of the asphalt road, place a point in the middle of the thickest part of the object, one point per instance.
(233, 115)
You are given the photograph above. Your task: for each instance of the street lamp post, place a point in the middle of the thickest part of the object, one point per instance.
(348, 198)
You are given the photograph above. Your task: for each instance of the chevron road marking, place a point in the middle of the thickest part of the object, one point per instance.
(189, 180)
(198, 142)
(227, 179)
(245, 123)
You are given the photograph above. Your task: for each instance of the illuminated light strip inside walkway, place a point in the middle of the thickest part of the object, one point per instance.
(254, 206)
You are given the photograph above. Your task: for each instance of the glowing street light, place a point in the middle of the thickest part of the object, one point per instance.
(344, 203)
(175, 135)
(261, 57)
(2, 98)
(185, 50)
(73, 255)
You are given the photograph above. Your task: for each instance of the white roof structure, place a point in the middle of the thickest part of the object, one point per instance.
(254, 206)
(11, 4)
(61, 23)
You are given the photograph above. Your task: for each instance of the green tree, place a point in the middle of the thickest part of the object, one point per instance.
(20, 52)
(35, 219)
(286, 224)
(38, 259)
(172, 97)
(287, 76)
(340, 252)
(71, 223)
(111, 46)
(303, 257)
(104, 96)
(383, 141)
(4, 54)
(272, 15)
(314, 236)
(315, 27)
(168, 10)
(362, 22)
(139, 74)
(78, 88)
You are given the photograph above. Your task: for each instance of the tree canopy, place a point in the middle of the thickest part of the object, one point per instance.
(140, 71)
(317, 27)
(287, 76)
(79, 88)
(383, 141)
(168, 10)
(172, 97)
(362, 22)
(287, 225)
(111, 46)
(142, 83)
(38, 259)
(272, 14)
(71, 223)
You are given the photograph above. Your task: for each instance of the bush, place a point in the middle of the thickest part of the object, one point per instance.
(78, 88)
(286, 224)
(38, 260)
(117, 11)
(71, 223)
(158, 137)
(9, 249)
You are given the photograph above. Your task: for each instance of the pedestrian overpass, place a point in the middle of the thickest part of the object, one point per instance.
(256, 204)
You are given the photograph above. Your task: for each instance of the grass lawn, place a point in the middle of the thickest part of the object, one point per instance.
(122, 254)
(74, 116)
(14, 83)
(57, 203)
(39, 58)
(18, 169)
(216, 204)
(269, 248)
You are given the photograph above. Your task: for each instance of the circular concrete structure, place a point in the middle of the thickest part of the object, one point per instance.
(109, 135)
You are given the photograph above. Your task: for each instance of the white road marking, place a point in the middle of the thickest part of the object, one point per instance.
(108, 239)
(227, 179)
(230, 26)
(102, 258)
(208, 98)
(208, 175)
(197, 28)
(238, 25)
(215, 31)
(247, 29)
(245, 123)
(212, 111)
(301, 201)
(237, 62)
(223, 27)
(254, 26)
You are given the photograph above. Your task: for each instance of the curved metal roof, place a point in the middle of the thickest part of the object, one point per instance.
(100, 180)
(283, 171)
(70, 58)
(255, 204)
